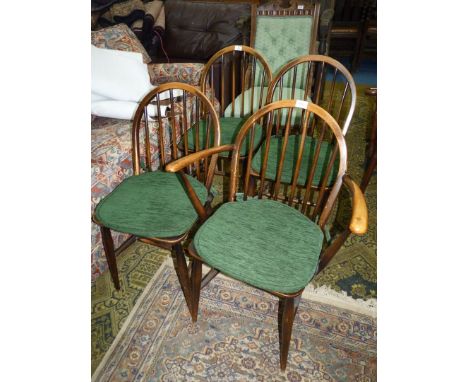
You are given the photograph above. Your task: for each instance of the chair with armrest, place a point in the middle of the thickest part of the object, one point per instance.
(273, 241)
(152, 205)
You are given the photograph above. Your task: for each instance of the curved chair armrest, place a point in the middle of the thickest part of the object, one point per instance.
(178, 165)
(371, 91)
(178, 72)
(359, 218)
(187, 160)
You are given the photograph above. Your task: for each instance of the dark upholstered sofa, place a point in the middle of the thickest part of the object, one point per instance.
(195, 30)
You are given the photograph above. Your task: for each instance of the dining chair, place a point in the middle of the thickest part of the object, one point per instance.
(274, 239)
(240, 76)
(284, 30)
(324, 81)
(152, 204)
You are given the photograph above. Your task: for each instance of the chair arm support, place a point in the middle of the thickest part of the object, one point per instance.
(187, 160)
(177, 72)
(359, 218)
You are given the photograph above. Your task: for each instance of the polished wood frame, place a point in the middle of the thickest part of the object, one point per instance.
(321, 120)
(317, 68)
(249, 59)
(202, 169)
(235, 67)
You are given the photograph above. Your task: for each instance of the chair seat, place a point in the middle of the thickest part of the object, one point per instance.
(229, 129)
(262, 242)
(152, 205)
(292, 149)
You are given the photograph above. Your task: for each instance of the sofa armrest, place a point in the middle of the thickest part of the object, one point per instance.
(179, 72)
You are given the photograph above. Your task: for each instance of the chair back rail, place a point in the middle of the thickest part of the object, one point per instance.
(230, 73)
(322, 80)
(304, 198)
(187, 109)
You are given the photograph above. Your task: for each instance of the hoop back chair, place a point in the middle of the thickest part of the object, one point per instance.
(304, 78)
(272, 243)
(239, 69)
(281, 32)
(152, 205)
(241, 76)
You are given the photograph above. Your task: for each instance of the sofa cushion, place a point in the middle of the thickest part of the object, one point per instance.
(198, 30)
(119, 37)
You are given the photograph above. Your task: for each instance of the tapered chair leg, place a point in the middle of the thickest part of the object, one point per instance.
(286, 315)
(195, 284)
(109, 251)
(181, 269)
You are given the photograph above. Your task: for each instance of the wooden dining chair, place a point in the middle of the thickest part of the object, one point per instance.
(274, 240)
(240, 76)
(324, 81)
(152, 205)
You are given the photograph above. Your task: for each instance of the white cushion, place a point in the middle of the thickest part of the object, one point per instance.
(119, 75)
(122, 109)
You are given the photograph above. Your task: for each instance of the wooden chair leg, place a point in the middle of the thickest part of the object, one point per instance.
(287, 312)
(195, 287)
(369, 171)
(109, 251)
(181, 269)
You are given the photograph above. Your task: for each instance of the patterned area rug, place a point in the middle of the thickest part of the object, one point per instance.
(236, 337)
(353, 269)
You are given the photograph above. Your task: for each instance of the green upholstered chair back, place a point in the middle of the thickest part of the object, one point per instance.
(160, 122)
(320, 79)
(240, 77)
(314, 202)
(281, 35)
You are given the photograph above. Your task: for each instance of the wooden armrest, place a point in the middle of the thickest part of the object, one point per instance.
(359, 218)
(187, 160)
(371, 91)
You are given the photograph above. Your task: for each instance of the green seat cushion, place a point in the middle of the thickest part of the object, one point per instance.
(290, 160)
(229, 129)
(153, 204)
(262, 242)
(285, 94)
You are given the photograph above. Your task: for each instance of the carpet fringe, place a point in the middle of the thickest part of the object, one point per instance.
(325, 294)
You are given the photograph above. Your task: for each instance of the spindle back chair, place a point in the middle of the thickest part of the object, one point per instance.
(152, 205)
(318, 79)
(241, 76)
(272, 243)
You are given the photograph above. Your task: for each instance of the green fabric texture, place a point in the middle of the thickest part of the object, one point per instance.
(290, 160)
(285, 94)
(153, 204)
(282, 38)
(229, 129)
(262, 242)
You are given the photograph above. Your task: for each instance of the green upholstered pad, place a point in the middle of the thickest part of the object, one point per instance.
(283, 38)
(290, 160)
(262, 242)
(286, 94)
(229, 129)
(153, 204)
